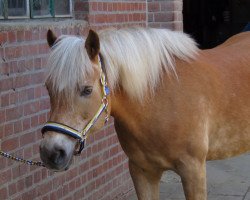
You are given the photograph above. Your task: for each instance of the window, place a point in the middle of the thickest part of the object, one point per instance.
(16, 9)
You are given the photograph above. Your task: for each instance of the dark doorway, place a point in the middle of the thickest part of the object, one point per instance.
(211, 22)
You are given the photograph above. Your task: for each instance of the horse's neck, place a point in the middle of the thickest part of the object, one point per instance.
(126, 111)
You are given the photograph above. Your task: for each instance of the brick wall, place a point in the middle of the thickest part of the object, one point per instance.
(101, 172)
(165, 14)
(116, 13)
(120, 13)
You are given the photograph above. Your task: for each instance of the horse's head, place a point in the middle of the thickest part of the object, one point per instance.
(76, 95)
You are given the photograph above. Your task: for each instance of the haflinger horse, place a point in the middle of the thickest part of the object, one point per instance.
(174, 106)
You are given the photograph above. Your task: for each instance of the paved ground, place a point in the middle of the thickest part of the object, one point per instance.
(227, 180)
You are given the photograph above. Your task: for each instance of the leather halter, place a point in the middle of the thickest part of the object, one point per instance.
(82, 135)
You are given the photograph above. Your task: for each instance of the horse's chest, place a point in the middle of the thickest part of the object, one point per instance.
(140, 145)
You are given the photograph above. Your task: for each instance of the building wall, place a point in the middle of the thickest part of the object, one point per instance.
(165, 14)
(101, 172)
(116, 13)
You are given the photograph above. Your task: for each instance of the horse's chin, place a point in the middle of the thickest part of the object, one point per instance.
(54, 168)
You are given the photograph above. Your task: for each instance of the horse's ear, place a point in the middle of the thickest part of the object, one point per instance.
(51, 38)
(92, 44)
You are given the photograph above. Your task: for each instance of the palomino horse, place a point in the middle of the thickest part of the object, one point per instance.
(174, 106)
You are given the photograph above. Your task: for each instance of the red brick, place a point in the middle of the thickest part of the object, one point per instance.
(42, 118)
(178, 16)
(28, 35)
(153, 6)
(3, 37)
(72, 185)
(168, 25)
(13, 113)
(45, 197)
(22, 81)
(31, 108)
(65, 190)
(37, 78)
(43, 34)
(58, 181)
(37, 177)
(43, 48)
(13, 52)
(178, 6)
(3, 163)
(105, 6)
(36, 146)
(178, 26)
(123, 7)
(20, 36)
(27, 152)
(26, 124)
(20, 185)
(32, 194)
(72, 173)
(44, 188)
(5, 176)
(44, 104)
(8, 129)
(12, 188)
(115, 6)
(3, 193)
(164, 17)
(28, 138)
(5, 69)
(13, 98)
(11, 36)
(5, 100)
(35, 34)
(37, 63)
(26, 94)
(110, 6)
(120, 18)
(34, 121)
(79, 194)
(28, 181)
(90, 187)
(167, 6)
(30, 50)
(111, 18)
(10, 144)
(99, 6)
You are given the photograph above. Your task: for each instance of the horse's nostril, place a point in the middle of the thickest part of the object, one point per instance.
(58, 156)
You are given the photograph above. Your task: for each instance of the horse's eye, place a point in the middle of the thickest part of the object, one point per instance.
(86, 91)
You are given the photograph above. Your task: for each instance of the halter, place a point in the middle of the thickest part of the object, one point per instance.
(82, 135)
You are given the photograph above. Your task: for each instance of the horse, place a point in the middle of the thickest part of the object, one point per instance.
(174, 106)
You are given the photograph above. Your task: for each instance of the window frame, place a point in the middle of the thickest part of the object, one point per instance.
(27, 16)
(4, 9)
(70, 10)
(30, 11)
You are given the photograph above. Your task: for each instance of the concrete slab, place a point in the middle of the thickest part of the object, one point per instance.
(247, 195)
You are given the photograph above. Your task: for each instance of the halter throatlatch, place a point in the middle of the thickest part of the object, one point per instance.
(82, 135)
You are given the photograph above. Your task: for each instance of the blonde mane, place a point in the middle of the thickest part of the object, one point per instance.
(135, 59)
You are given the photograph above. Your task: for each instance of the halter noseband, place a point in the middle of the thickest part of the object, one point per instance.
(82, 135)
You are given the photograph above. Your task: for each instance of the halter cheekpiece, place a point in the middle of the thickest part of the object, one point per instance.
(82, 135)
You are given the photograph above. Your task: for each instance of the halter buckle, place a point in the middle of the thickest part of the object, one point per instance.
(81, 147)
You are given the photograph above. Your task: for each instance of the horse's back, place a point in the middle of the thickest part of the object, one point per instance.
(241, 39)
(230, 63)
